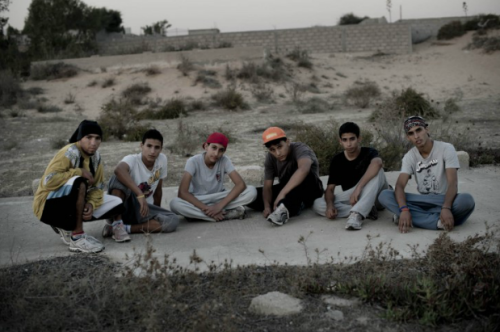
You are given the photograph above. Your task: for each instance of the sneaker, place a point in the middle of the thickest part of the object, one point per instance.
(440, 225)
(65, 235)
(280, 216)
(354, 222)
(395, 219)
(373, 215)
(236, 213)
(120, 234)
(107, 230)
(86, 243)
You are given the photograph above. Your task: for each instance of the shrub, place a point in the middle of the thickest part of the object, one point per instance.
(450, 106)
(34, 90)
(301, 57)
(207, 78)
(295, 90)
(92, 83)
(119, 120)
(198, 105)
(489, 21)
(350, 18)
(48, 109)
(272, 68)
(488, 44)
(110, 81)
(230, 73)
(10, 89)
(50, 71)
(262, 92)
(136, 92)
(313, 105)
(152, 70)
(70, 98)
(361, 93)
(406, 103)
(27, 104)
(229, 99)
(174, 108)
(186, 65)
(451, 30)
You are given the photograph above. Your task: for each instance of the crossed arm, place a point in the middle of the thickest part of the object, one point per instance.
(215, 211)
(122, 172)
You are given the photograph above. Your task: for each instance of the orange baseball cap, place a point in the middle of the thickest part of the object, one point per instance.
(272, 133)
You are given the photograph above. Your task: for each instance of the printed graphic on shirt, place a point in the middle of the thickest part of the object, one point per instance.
(146, 186)
(430, 182)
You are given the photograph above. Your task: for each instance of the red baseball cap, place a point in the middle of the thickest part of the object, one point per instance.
(218, 138)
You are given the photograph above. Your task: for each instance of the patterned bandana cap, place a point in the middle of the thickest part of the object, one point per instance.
(217, 138)
(414, 121)
(272, 134)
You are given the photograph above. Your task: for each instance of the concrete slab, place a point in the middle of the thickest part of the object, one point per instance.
(252, 240)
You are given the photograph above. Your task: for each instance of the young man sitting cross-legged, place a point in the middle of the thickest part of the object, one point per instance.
(359, 171)
(434, 165)
(138, 182)
(297, 168)
(202, 195)
(71, 190)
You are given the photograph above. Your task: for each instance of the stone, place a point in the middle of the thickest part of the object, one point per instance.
(253, 175)
(34, 185)
(463, 159)
(335, 315)
(339, 302)
(275, 303)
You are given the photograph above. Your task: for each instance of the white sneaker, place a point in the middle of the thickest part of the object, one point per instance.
(395, 219)
(236, 213)
(440, 225)
(86, 243)
(280, 216)
(354, 222)
(120, 234)
(64, 234)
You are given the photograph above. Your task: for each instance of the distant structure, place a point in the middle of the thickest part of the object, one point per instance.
(371, 21)
(197, 32)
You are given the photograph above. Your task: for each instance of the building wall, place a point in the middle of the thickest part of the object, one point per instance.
(425, 28)
(388, 38)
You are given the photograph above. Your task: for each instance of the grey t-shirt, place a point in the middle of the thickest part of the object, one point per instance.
(285, 169)
(207, 180)
(430, 173)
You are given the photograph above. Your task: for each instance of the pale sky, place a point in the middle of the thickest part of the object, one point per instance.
(248, 15)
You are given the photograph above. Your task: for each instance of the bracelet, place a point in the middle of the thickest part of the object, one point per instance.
(445, 207)
(141, 196)
(404, 208)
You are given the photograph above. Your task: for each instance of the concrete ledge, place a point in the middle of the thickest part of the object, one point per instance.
(463, 159)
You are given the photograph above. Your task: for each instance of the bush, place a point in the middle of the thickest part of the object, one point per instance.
(350, 18)
(406, 103)
(488, 44)
(301, 57)
(119, 120)
(361, 93)
(186, 65)
(110, 81)
(262, 92)
(230, 99)
(198, 105)
(451, 30)
(136, 92)
(313, 105)
(450, 106)
(50, 71)
(273, 69)
(152, 70)
(70, 98)
(34, 90)
(489, 21)
(207, 78)
(173, 109)
(48, 109)
(10, 89)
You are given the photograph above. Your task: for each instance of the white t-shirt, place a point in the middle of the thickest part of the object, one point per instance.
(147, 180)
(430, 173)
(207, 180)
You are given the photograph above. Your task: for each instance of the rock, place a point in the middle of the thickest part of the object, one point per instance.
(463, 159)
(34, 185)
(275, 303)
(363, 320)
(335, 315)
(339, 302)
(253, 175)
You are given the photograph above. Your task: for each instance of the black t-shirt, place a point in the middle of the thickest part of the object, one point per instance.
(347, 173)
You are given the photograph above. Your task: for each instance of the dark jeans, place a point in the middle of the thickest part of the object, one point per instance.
(301, 196)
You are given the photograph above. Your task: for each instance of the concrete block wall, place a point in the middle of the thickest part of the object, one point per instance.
(388, 38)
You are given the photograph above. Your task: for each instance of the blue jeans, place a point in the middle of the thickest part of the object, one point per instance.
(426, 209)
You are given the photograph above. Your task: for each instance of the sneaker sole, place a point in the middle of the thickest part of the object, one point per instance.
(85, 250)
(120, 241)
(353, 228)
(275, 223)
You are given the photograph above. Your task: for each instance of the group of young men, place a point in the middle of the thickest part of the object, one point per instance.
(71, 190)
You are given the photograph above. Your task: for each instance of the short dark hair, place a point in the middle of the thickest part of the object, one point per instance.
(152, 134)
(274, 142)
(349, 127)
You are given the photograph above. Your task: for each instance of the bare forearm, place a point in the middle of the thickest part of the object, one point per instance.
(370, 173)
(329, 198)
(234, 193)
(187, 196)
(126, 180)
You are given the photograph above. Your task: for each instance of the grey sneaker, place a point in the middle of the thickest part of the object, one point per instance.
(107, 230)
(373, 215)
(236, 213)
(280, 216)
(120, 234)
(64, 234)
(354, 222)
(86, 243)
